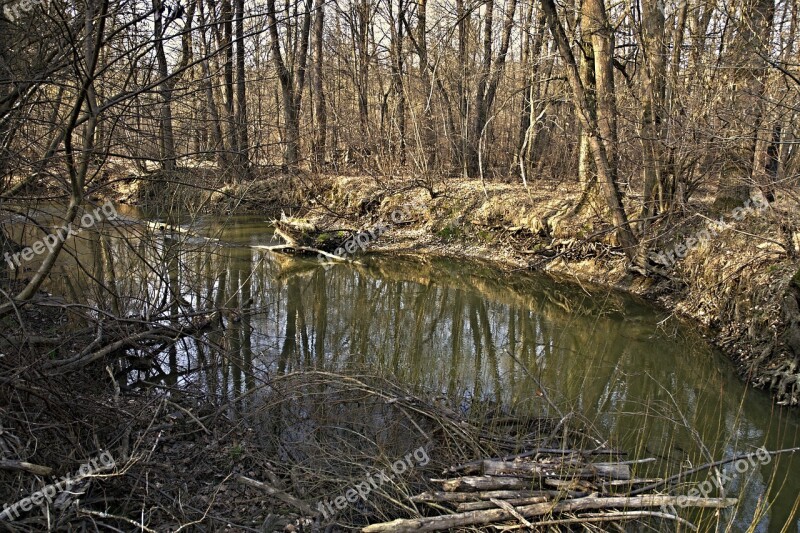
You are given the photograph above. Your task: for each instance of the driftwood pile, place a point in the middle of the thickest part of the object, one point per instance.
(541, 488)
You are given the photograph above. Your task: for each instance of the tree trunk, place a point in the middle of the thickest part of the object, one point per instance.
(227, 47)
(320, 110)
(362, 20)
(652, 127)
(586, 172)
(590, 125)
(603, 46)
(531, 56)
(166, 137)
(221, 152)
(428, 137)
(460, 154)
(292, 83)
(243, 158)
(397, 78)
(488, 80)
(756, 32)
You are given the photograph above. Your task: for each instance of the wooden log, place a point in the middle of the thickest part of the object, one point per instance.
(24, 466)
(471, 518)
(570, 484)
(477, 483)
(489, 504)
(550, 470)
(460, 497)
(474, 467)
(628, 482)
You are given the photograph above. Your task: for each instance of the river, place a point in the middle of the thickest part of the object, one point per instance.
(460, 330)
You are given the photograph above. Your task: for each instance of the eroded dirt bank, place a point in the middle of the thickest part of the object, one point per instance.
(741, 279)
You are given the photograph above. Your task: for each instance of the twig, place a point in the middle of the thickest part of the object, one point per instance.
(507, 507)
(472, 518)
(191, 415)
(704, 467)
(300, 505)
(100, 514)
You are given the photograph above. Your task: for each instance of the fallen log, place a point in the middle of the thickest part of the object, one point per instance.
(460, 497)
(24, 466)
(472, 518)
(490, 503)
(476, 483)
(304, 235)
(474, 467)
(556, 470)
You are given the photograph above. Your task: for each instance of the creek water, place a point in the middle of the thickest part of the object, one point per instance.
(649, 382)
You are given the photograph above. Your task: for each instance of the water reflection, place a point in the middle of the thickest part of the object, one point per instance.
(460, 331)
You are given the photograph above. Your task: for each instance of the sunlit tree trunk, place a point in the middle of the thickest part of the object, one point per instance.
(757, 33)
(488, 79)
(602, 35)
(166, 136)
(652, 128)
(590, 124)
(428, 134)
(397, 66)
(227, 49)
(532, 50)
(586, 67)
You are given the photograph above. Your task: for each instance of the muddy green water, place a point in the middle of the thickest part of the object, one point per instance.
(649, 382)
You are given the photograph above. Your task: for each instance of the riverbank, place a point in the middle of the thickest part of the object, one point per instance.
(739, 276)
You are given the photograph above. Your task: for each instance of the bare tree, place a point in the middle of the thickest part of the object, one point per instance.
(168, 81)
(488, 79)
(243, 159)
(320, 107)
(591, 125)
(654, 47)
(292, 81)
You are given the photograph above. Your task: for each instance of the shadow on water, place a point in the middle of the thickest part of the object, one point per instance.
(461, 331)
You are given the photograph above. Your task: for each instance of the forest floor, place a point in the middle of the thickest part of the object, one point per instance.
(740, 280)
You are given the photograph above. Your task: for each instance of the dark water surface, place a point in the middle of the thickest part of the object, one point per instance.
(649, 382)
